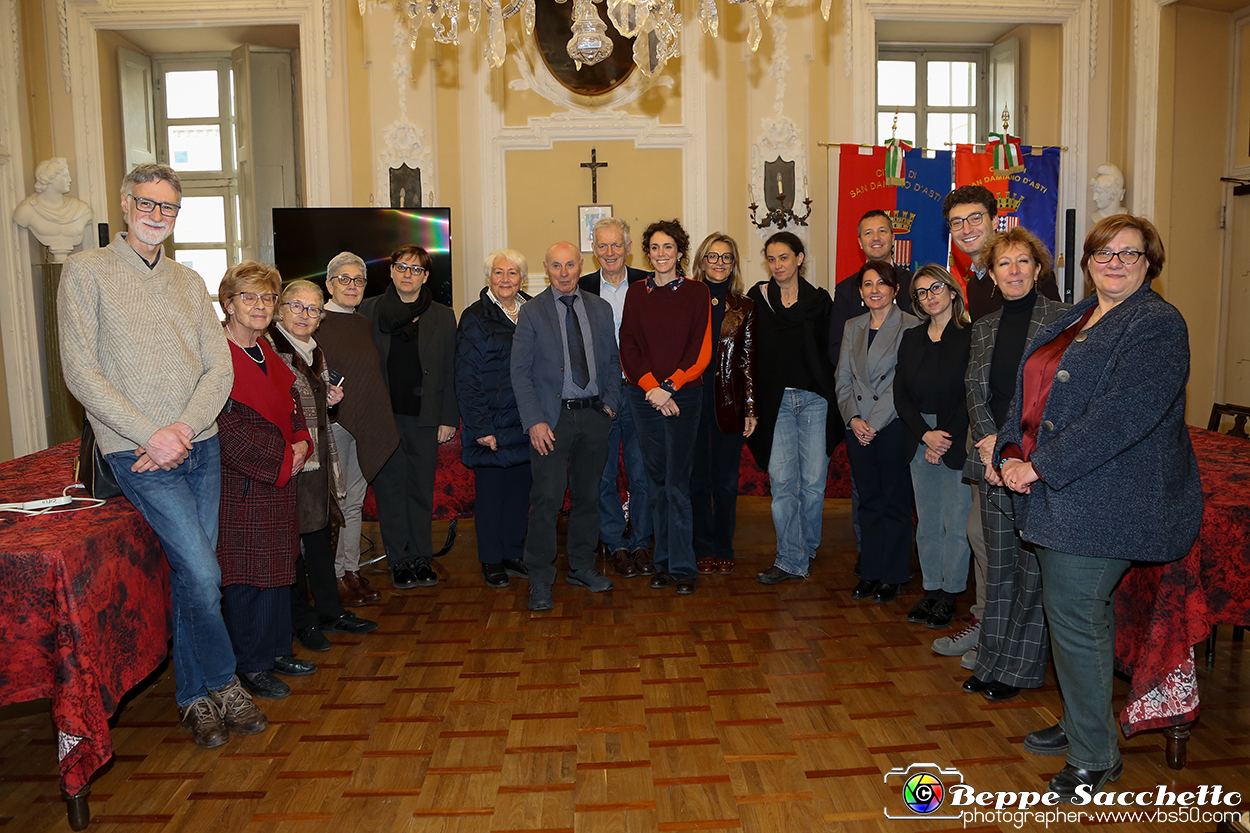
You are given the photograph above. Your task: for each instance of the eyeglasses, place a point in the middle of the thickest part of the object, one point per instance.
(404, 269)
(297, 308)
(935, 289)
(603, 247)
(147, 206)
(726, 258)
(956, 223)
(250, 298)
(1128, 257)
(349, 280)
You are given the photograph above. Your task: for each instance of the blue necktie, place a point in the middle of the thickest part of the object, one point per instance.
(577, 345)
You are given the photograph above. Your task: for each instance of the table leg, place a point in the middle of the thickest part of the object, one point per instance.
(76, 809)
(1176, 737)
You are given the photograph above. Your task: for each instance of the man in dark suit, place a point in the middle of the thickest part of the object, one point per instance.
(876, 241)
(565, 374)
(631, 555)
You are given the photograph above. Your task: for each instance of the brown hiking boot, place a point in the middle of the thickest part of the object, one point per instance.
(204, 720)
(237, 709)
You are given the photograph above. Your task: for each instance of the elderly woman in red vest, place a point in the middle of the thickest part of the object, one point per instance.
(264, 444)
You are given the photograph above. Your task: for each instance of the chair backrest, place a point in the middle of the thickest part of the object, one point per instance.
(1239, 415)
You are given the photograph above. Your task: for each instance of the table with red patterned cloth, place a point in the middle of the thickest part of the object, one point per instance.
(1163, 610)
(84, 608)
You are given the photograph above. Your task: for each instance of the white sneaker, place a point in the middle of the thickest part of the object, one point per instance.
(960, 643)
(969, 660)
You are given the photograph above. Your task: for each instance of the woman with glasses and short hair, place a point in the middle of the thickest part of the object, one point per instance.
(1096, 453)
(930, 399)
(416, 342)
(320, 482)
(362, 424)
(728, 415)
(265, 442)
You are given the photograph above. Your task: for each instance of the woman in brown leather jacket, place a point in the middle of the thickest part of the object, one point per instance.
(728, 414)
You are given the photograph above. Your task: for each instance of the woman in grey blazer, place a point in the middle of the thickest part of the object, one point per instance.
(878, 443)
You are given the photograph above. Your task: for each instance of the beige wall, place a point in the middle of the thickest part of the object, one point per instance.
(1193, 127)
(1241, 143)
(111, 116)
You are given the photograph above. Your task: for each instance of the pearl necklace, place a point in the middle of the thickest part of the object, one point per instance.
(230, 335)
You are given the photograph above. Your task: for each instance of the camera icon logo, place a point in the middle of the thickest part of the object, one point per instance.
(924, 788)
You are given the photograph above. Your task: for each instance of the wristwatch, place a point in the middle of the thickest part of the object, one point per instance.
(668, 385)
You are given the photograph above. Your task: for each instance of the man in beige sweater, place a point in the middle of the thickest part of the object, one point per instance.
(144, 353)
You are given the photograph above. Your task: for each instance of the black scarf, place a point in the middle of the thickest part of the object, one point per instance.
(396, 318)
(810, 303)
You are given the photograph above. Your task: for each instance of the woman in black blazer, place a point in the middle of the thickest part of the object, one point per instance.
(930, 399)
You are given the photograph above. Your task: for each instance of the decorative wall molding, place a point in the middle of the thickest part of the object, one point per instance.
(1093, 38)
(18, 316)
(779, 135)
(403, 142)
(1072, 15)
(1146, 14)
(536, 78)
(327, 35)
(62, 25)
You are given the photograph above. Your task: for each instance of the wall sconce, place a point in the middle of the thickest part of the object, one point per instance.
(779, 191)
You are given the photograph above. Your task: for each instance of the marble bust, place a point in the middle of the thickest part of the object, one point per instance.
(1108, 192)
(57, 221)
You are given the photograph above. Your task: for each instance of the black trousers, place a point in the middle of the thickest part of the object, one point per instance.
(315, 571)
(501, 511)
(714, 483)
(883, 474)
(577, 460)
(404, 489)
(258, 620)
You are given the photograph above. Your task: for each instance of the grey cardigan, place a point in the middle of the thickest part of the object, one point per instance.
(865, 380)
(1119, 476)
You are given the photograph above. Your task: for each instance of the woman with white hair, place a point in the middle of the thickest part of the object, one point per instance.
(493, 442)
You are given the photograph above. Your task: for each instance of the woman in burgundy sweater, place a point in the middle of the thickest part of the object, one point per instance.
(666, 343)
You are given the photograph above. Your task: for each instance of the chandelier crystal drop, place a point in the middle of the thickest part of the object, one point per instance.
(590, 43)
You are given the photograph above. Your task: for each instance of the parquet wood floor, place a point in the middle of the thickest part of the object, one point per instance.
(742, 707)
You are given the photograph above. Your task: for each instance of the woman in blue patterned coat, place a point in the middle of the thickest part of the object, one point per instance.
(493, 443)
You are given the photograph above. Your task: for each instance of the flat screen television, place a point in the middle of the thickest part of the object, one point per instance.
(305, 239)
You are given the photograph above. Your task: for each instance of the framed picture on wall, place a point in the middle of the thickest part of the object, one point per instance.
(587, 216)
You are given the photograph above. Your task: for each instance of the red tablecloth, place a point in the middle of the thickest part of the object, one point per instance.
(84, 601)
(1162, 611)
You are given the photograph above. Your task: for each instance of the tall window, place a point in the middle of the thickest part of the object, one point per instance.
(195, 137)
(939, 96)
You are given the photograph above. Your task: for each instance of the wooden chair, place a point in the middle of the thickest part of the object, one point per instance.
(1239, 415)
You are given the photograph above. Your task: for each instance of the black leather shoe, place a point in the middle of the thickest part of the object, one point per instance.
(293, 667)
(975, 685)
(516, 567)
(495, 575)
(404, 577)
(686, 586)
(924, 607)
(885, 593)
(941, 615)
(347, 623)
(1066, 780)
(997, 692)
(661, 580)
(1052, 740)
(312, 638)
(426, 577)
(776, 575)
(865, 589)
(265, 684)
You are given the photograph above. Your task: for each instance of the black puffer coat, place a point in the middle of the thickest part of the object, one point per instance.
(484, 387)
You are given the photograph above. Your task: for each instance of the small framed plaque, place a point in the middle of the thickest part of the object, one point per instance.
(587, 216)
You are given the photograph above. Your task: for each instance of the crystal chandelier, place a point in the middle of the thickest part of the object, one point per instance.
(655, 26)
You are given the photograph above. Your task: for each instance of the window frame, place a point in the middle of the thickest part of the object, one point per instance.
(921, 55)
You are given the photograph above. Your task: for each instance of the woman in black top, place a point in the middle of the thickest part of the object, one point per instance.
(930, 399)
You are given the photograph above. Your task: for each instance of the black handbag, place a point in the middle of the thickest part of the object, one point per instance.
(91, 469)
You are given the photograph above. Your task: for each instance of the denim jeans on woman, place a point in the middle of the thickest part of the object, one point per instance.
(797, 470)
(181, 507)
(942, 506)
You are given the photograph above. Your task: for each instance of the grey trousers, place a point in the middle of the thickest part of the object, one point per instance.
(347, 556)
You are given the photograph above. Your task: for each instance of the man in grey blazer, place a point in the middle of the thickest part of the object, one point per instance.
(566, 377)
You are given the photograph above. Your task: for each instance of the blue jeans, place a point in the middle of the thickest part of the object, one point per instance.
(942, 506)
(623, 441)
(668, 448)
(797, 470)
(714, 483)
(181, 507)
(1079, 596)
